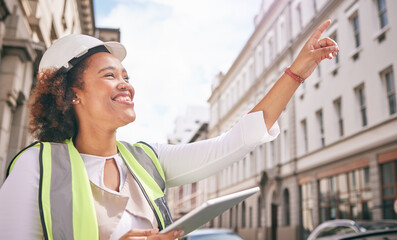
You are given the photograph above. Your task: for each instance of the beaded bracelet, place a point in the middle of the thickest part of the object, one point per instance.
(293, 75)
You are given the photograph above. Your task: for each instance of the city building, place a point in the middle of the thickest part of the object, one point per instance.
(27, 29)
(191, 127)
(337, 151)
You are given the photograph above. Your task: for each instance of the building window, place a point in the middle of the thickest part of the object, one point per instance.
(243, 215)
(307, 207)
(299, 16)
(286, 209)
(346, 195)
(320, 121)
(271, 49)
(304, 132)
(194, 194)
(356, 29)
(259, 213)
(389, 186)
(236, 222)
(285, 147)
(362, 105)
(250, 217)
(382, 13)
(231, 218)
(388, 77)
(338, 110)
(334, 37)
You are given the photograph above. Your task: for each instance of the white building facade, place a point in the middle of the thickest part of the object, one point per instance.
(337, 148)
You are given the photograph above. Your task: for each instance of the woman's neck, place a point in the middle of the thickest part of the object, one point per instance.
(98, 142)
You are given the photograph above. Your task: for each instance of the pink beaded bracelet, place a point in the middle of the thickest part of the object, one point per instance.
(294, 76)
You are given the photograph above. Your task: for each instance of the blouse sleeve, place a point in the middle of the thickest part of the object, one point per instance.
(19, 211)
(187, 163)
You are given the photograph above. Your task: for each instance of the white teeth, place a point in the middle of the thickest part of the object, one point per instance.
(123, 99)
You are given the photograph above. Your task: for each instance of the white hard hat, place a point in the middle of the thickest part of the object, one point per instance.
(72, 47)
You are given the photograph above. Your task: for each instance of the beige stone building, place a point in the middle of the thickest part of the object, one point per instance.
(27, 28)
(336, 156)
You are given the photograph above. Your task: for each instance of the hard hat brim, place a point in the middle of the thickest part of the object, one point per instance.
(117, 49)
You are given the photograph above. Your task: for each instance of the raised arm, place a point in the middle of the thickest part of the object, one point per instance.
(313, 52)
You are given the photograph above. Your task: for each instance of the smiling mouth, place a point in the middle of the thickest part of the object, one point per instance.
(123, 98)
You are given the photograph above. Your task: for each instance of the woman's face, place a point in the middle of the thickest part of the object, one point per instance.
(106, 98)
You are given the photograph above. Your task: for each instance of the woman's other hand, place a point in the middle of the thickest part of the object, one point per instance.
(150, 234)
(314, 51)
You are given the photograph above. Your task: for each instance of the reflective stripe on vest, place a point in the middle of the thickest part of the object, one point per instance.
(141, 156)
(65, 199)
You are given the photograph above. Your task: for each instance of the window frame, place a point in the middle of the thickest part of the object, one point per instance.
(388, 78)
(320, 121)
(391, 185)
(332, 199)
(339, 116)
(305, 136)
(362, 104)
(355, 21)
(382, 13)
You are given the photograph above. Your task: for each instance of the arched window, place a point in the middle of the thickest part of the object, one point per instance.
(286, 208)
(243, 215)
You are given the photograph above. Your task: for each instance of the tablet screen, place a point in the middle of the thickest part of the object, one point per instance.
(208, 211)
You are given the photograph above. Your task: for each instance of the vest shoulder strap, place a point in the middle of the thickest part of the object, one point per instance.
(14, 159)
(147, 158)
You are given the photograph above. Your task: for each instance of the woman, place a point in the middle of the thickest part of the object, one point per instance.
(91, 186)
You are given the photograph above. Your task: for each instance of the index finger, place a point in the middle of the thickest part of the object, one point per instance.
(317, 34)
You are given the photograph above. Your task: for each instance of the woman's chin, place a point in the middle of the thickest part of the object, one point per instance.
(122, 119)
(128, 119)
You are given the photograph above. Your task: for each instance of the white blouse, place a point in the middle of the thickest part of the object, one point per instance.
(182, 164)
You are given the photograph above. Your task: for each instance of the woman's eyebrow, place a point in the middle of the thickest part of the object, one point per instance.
(111, 68)
(107, 68)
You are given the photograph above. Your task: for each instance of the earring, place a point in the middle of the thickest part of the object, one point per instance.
(74, 101)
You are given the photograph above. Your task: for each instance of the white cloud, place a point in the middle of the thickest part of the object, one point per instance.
(175, 48)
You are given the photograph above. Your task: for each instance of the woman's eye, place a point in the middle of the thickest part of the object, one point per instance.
(109, 75)
(127, 79)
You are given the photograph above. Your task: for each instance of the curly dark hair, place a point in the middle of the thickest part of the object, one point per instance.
(53, 118)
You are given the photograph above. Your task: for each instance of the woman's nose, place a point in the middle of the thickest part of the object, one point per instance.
(124, 86)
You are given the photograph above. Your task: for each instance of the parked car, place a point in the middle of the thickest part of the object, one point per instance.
(389, 234)
(334, 229)
(212, 234)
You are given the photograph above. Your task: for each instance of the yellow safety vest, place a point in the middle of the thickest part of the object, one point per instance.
(65, 199)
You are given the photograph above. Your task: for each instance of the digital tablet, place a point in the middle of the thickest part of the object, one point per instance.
(208, 211)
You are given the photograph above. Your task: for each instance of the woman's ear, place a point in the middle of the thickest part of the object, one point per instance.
(75, 100)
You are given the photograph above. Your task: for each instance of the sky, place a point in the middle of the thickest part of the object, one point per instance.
(174, 50)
